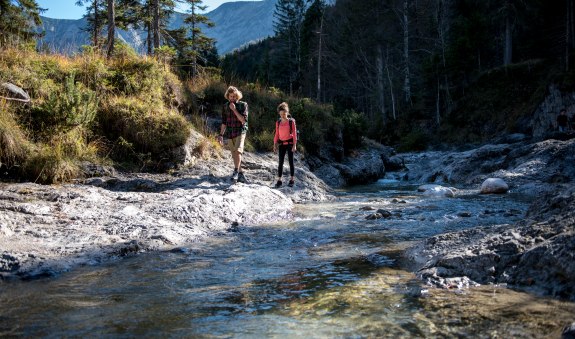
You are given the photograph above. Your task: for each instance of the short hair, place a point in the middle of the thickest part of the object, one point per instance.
(233, 89)
(283, 107)
(563, 110)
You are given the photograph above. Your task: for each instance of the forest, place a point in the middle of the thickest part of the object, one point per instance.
(417, 71)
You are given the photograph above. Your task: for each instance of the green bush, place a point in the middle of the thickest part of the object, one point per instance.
(65, 108)
(354, 126)
(148, 129)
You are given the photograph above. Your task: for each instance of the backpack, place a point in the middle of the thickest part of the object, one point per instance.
(291, 127)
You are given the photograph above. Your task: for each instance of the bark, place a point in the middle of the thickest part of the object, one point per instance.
(407, 80)
(96, 25)
(156, 24)
(318, 99)
(508, 41)
(111, 27)
(150, 30)
(380, 86)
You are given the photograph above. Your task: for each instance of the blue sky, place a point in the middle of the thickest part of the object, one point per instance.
(67, 9)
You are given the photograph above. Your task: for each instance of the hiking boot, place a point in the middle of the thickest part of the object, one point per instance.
(235, 176)
(291, 182)
(278, 184)
(242, 178)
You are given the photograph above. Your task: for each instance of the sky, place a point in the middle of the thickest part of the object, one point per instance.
(67, 9)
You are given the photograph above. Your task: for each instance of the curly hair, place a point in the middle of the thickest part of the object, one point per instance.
(233, 89)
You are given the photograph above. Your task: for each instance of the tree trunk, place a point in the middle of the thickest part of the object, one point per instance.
(96, 25)
(380, 86)
(318, 98)
(390, 87)
(508, 41)
(567, 35)
(149, 28)
(407, 80)
(111, 27)
(156, 24)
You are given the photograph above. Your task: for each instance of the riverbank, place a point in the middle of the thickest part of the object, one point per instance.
(45, 230)
(48, 229)
(536, 254)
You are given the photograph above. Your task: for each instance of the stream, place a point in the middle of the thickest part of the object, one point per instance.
(328, 273)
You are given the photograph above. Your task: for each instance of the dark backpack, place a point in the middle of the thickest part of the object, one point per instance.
(291, 127)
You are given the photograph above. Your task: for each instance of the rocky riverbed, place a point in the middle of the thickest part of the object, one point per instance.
(536, 254)
(49, 229)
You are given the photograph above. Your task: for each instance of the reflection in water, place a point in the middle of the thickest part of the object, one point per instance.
(331, 273)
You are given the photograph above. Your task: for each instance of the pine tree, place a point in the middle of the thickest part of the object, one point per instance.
(96, 15)
(198, 42)
(17, 21)
(288, 25)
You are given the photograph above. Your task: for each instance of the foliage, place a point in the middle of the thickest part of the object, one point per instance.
(87, 108)
(14, 145)
(354, 126)
(147, 128)
(17, 21)
(65, 108)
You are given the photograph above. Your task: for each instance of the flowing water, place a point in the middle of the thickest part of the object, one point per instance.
(330, 273)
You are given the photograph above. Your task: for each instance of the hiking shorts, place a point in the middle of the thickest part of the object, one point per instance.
(236, 144)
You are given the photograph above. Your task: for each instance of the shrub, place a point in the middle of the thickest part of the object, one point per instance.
(148, 128)
(14, 146)
(353, 124)
(48, 166)
(67, 107)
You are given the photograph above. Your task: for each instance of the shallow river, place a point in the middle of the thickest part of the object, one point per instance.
(330, 273)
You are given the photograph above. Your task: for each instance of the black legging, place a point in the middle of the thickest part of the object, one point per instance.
(283, 150)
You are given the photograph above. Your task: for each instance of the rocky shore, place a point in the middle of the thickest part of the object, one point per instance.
(49, 229)
(536, 254)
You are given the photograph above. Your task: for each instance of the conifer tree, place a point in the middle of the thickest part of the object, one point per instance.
(17, 21)
(288, 25)
(198, 43)
(96, 13)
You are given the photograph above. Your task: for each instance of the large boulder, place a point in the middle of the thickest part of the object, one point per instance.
(494, 186)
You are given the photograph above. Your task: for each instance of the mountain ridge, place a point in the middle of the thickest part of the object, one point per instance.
(236, 24)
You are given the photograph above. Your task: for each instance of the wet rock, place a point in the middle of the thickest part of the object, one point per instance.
(394, 163)
(374, 216)
(537, 254)
(384, 213)
(494, 186)
(437, 190)
(128, 248)
(464, 214)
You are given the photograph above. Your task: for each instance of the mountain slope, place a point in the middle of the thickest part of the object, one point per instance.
(236, 24)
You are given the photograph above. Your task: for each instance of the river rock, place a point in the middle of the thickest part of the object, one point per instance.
(437, 191)
(494, 186)
(537, 254)
(530, 168)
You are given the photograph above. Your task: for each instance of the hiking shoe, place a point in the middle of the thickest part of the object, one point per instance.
(291, 182)
(235, 176)
(242, 178)
(278, 184)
